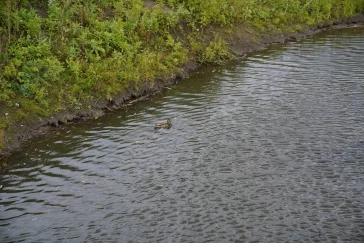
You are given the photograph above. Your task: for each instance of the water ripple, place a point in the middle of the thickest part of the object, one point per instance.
(267, 150)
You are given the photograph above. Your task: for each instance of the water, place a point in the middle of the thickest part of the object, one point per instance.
(270, 149)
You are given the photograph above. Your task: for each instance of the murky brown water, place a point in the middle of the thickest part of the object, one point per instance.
(270, 149)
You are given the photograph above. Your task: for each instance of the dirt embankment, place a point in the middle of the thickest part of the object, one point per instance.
(241, 40)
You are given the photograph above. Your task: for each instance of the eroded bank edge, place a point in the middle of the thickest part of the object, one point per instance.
(238, 43)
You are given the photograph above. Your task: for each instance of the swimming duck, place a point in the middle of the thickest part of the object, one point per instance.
(166, 125)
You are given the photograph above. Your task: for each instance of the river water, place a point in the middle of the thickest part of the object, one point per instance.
(268, 149)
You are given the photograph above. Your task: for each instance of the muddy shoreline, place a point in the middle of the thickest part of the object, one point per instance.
(239, 42)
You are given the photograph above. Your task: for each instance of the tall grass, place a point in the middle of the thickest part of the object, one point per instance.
(57, 53)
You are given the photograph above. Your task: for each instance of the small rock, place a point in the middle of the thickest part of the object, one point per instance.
(6, 114)
(17, 105)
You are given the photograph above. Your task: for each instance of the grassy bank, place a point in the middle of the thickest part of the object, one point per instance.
(61, 54)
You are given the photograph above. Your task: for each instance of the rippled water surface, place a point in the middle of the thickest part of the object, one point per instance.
(270, 149)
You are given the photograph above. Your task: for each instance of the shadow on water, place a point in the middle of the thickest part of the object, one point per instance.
(266, 149)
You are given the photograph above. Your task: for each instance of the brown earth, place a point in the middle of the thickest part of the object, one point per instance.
(241, 41)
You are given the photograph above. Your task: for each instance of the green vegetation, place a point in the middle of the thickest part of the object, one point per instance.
(57, 54)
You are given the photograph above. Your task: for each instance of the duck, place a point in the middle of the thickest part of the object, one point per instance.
(166, 125)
